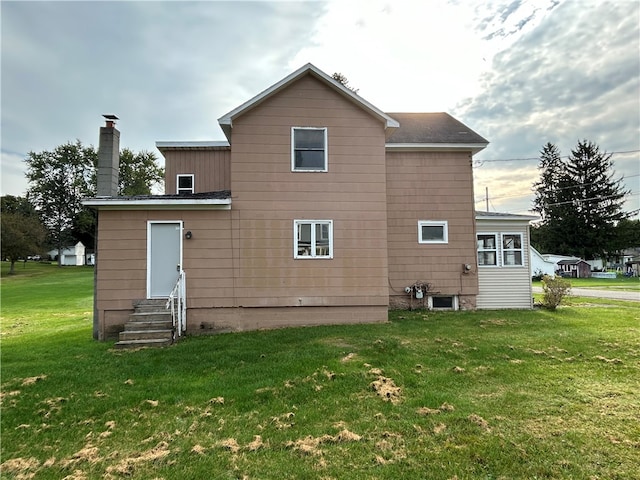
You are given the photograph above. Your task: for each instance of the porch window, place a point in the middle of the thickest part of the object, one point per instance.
(487, 249)
(185, 184)
(313, 239)
(308, 149)
(433, 231)
(512, 249)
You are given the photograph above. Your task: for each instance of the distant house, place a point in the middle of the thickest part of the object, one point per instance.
(504, 265)
(318, 208)
(540, 264)
(574, 268)
(73, 255)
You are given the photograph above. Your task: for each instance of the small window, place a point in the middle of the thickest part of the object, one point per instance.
(487, 249)
(313, 239)
(308, 149)
(443, 303)
(185, 183)
(512, 249)
(433, 232)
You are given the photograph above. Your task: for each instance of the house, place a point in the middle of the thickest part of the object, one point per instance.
(540, 265)
(318, 208)
(504, 263)
(72, 255)
(574, 268)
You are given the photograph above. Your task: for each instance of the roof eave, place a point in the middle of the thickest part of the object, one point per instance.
(192, 145)
(119, 203)
(437, 147)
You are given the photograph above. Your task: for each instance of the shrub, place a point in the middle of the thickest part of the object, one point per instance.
(555, 289)
(537, 275)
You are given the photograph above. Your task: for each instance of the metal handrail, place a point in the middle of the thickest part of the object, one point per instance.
(177, 303)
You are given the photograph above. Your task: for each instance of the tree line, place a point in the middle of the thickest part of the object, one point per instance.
(581, 205)
(51, 215)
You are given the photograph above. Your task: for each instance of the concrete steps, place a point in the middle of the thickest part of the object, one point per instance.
(150, 325)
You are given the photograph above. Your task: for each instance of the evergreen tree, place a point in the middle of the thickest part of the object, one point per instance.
(580, 202)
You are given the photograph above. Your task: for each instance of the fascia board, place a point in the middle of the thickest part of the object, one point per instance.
(158, 204)
(195, 144)
(507, 217)
(438, 147)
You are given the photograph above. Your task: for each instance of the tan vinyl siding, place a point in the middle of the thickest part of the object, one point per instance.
(505, 286)
(267, 198)
(211, 168)
(431, 186)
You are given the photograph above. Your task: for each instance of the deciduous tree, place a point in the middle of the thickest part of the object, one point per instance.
(22, 231)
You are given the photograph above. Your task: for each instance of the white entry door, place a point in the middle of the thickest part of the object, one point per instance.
(164, 257)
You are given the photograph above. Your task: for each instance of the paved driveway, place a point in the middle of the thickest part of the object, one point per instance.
(592, 292)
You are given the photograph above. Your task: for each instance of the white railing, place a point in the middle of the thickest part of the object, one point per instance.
(177, 303)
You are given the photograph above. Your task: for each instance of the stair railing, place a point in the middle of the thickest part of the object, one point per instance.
(177, 303)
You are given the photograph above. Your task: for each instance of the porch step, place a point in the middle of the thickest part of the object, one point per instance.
(150, 325)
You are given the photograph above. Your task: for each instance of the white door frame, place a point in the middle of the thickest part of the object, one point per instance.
(149, 224)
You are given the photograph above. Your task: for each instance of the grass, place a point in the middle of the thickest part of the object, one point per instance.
(619, 283)
(466, 395)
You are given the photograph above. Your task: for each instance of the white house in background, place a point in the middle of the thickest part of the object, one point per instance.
(541, 265)
(504, 264)
(73, 255)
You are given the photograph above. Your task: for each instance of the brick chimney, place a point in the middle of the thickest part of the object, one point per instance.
(108, 158)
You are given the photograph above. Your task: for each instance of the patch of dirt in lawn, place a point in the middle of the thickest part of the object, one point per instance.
(481, 422)
(390, 448)
(127, 466)
(310, 445)
(32, 380)
(386, 389)
(21, 467)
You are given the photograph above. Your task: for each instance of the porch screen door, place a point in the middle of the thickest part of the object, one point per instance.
(164, 257)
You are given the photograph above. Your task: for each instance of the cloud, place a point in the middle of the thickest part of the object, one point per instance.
(575, 76)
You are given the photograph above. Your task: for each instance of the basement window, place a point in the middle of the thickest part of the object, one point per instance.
(443, 303)
(184, 183)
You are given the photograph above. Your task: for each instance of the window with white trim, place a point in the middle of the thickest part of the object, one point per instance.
(185, 183)
(431, 231)
(487, 249)
(313, 239)
(308, 149)
(512, 249)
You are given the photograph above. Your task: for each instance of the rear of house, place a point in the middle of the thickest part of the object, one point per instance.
(318, 208)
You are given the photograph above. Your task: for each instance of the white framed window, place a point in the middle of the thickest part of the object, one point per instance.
(313, 239)
(512, 250)
(185, 183)
(432, 231)
(309, 149)
(487, 249)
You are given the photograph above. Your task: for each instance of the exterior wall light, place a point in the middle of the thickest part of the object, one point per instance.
(188, 235)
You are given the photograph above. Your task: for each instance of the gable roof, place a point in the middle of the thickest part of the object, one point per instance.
(226, 121)
(433, 130)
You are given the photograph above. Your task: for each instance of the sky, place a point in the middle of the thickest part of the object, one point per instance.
(520, 73)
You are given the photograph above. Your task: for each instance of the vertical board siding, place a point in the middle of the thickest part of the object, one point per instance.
(505, 287)
(211, 168)
(268, 197)
(431, 186)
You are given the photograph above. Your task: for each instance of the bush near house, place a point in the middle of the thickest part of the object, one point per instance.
(491, 394)
(554, 290)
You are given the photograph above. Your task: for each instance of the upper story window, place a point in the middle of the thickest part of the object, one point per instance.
(433, 231)
(487, 249)
(512, 249)
(313, 239)
(184, 183)
(308, 149)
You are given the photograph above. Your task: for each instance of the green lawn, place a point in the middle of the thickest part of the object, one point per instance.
(618, 283)
(466, 395)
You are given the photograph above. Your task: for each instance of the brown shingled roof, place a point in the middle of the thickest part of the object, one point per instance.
(440, 127)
